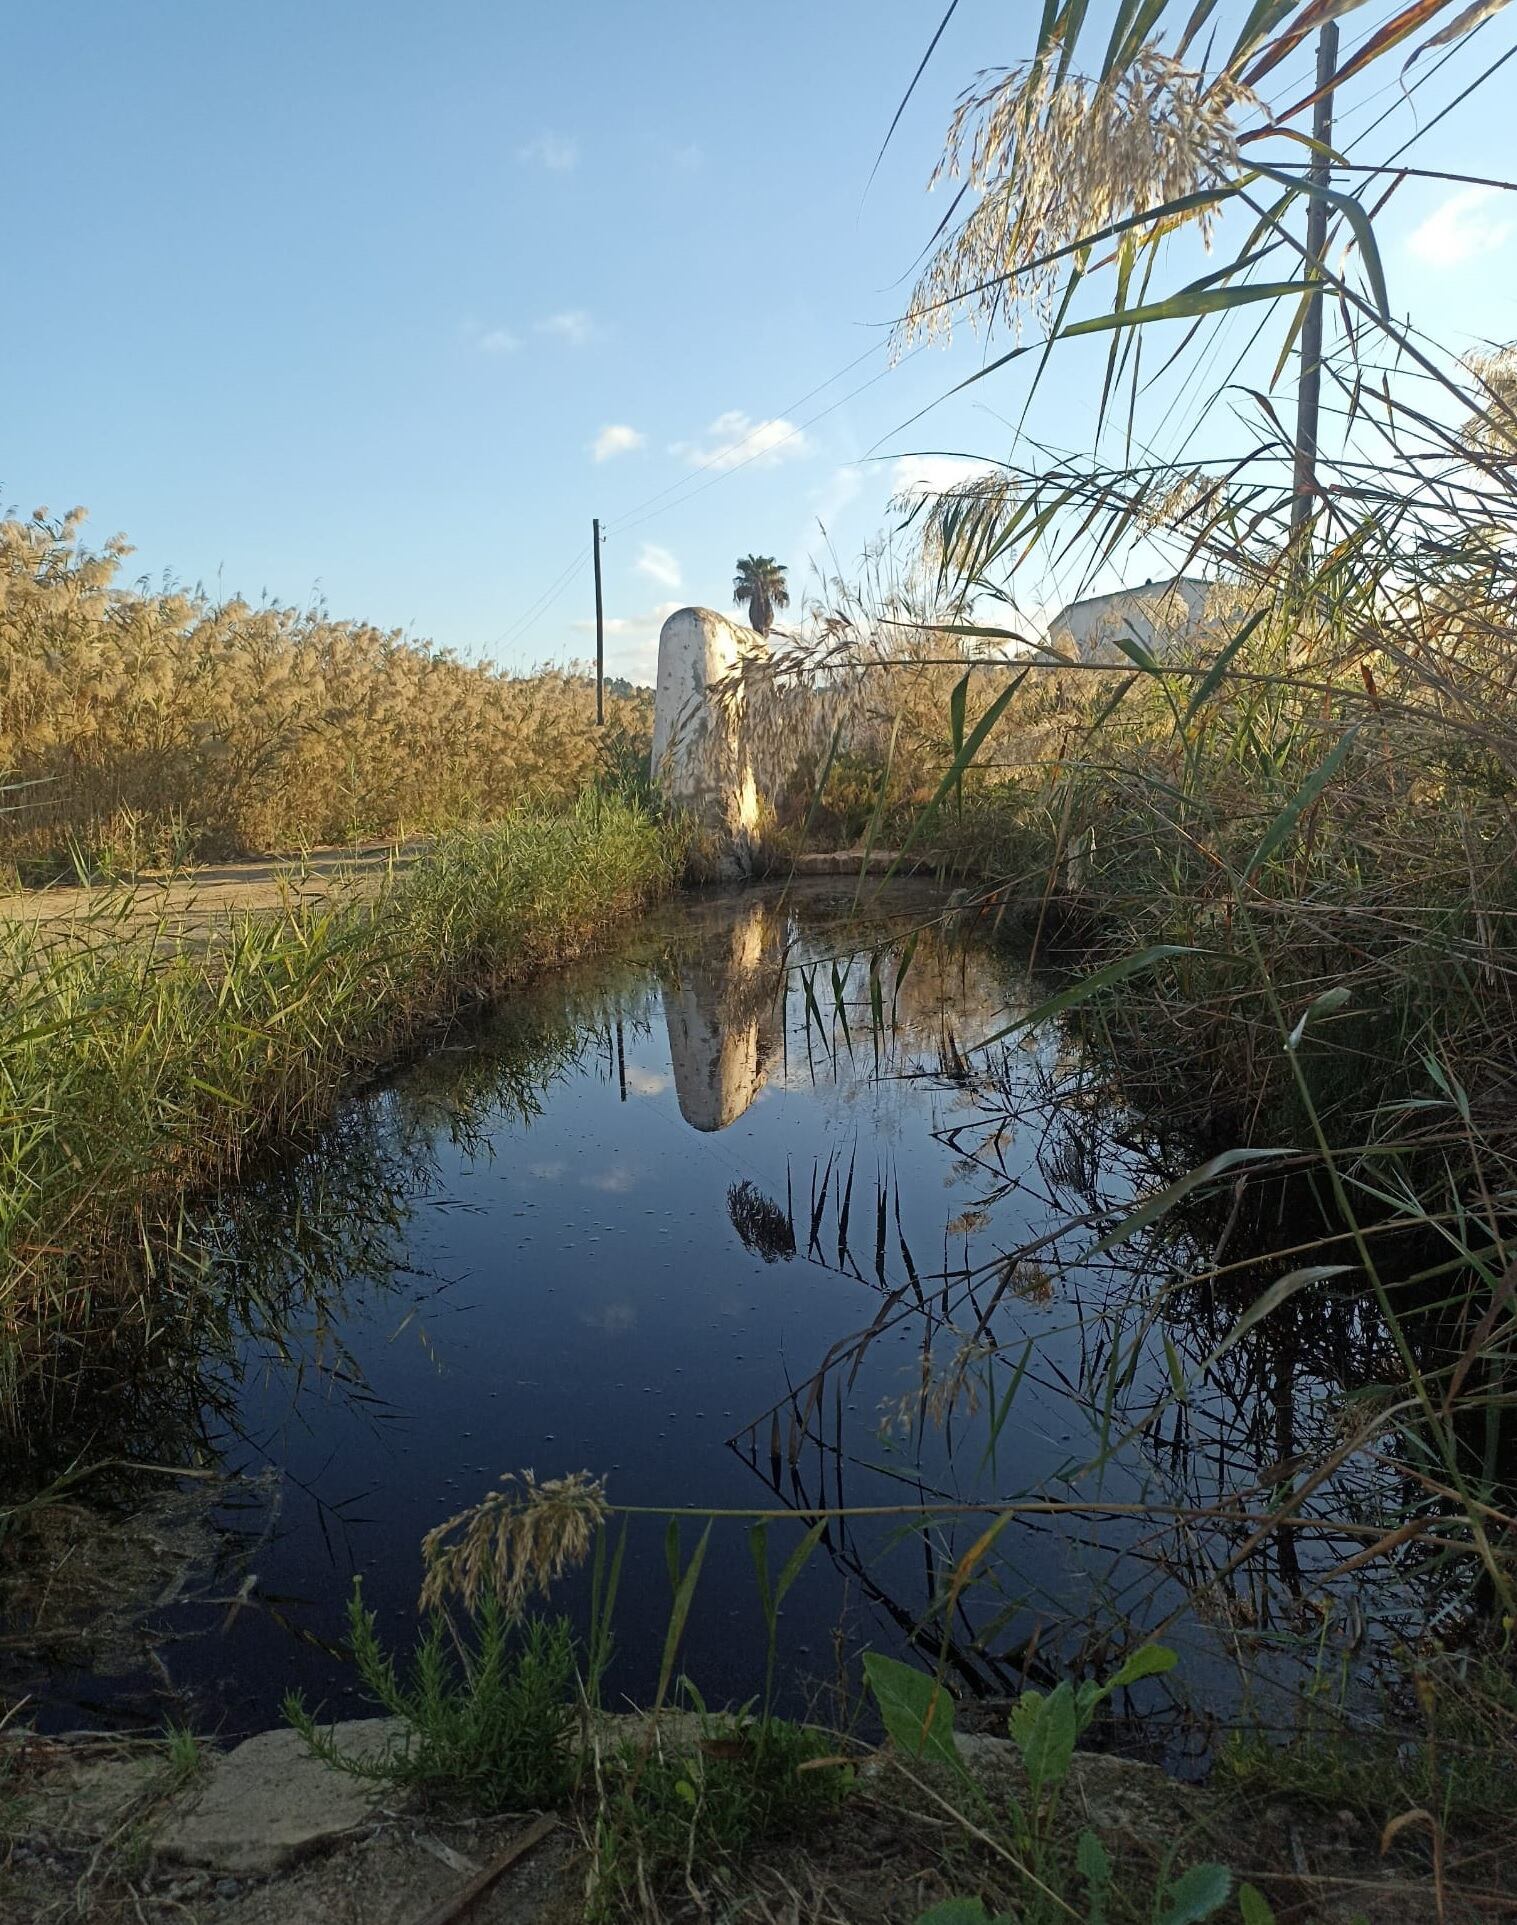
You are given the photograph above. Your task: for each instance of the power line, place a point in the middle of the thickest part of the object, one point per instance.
(758, 454)
(544, 602)
(634, 516)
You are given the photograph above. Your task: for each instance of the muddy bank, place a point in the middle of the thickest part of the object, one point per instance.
(263, 1834)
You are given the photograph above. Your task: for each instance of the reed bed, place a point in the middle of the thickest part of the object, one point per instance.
(1275, 837)
(145, 726)
(138, 1068)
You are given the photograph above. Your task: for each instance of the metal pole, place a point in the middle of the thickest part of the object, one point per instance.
(600, 633)
(1309, 395)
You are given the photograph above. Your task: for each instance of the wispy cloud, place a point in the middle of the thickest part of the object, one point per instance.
(658, 565)
(557, 152)
(613, 1182)
(841, 487)
(616, 438)
(913, 476)
(489, 340)
(572, 325)
(1463, 228)
(733, 439)
(611, 1319)
(632, 640)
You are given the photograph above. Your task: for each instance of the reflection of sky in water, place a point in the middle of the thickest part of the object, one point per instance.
(574, 1293)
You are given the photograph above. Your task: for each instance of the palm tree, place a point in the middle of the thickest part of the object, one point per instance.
(760, 583)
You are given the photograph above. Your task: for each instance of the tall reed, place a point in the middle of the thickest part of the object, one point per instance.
(138, 1066)
(145, 725)
(1283, 827)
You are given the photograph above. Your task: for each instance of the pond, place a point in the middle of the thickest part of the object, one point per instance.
(736, 1216)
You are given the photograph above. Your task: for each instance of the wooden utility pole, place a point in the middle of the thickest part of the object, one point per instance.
(600, 633)
(1309, 394)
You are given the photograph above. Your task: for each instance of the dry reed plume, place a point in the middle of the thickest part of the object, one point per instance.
(1050, 159)
(142, 725)
(517, 1540)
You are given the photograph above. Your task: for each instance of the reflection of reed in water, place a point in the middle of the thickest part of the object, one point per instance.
(763, 1226)
(1246, 1487)
(720, 1008)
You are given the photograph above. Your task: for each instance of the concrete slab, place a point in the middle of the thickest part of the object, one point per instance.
(269, 1802)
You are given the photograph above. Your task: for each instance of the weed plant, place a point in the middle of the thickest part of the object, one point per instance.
(694, 1798)
(1452, 1757)
(1051, 1861)
(488, 1716)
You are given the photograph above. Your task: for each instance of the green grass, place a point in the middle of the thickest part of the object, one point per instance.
(1453, 1758)
(140, 1067)
(182, 1754)
(698, 1800)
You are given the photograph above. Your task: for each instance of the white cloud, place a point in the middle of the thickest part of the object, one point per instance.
(614, 1182)
(616, 438)
(488, 340)
(645, 1082)
(572, 325)
(1463, 228)
(611, 1319)
(557, 152)
(913, 476)
(658, 565)
(841, 486)
(734, 439)
(632, 641)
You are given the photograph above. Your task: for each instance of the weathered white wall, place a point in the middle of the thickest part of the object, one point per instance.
(700, 758)
(1156, 613)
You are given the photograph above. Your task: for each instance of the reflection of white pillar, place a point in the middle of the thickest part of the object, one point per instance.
(720, 1018)
(699, 755)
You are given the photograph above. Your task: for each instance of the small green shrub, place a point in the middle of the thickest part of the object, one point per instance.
(489, 1718)
(664, 1814)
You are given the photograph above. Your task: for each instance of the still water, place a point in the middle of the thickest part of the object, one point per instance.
(738, 1216)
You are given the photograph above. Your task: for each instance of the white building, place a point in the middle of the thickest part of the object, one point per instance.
(1158, 613)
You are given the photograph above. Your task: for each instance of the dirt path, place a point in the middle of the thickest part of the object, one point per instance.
(187, 902)
(191, 903)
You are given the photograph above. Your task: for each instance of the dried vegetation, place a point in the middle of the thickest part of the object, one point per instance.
(147, 726)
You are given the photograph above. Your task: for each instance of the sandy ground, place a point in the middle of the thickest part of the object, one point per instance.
(190, 902)
(193, 903)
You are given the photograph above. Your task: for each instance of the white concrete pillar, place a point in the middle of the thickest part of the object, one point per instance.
(700, 758)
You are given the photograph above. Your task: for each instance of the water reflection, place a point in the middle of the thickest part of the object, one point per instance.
(575, 1238)
(720, 1009)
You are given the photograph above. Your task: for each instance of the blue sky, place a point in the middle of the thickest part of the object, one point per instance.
(381, 303)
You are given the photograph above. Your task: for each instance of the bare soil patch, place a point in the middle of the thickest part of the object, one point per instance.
(188, 903)
(88, 1830)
